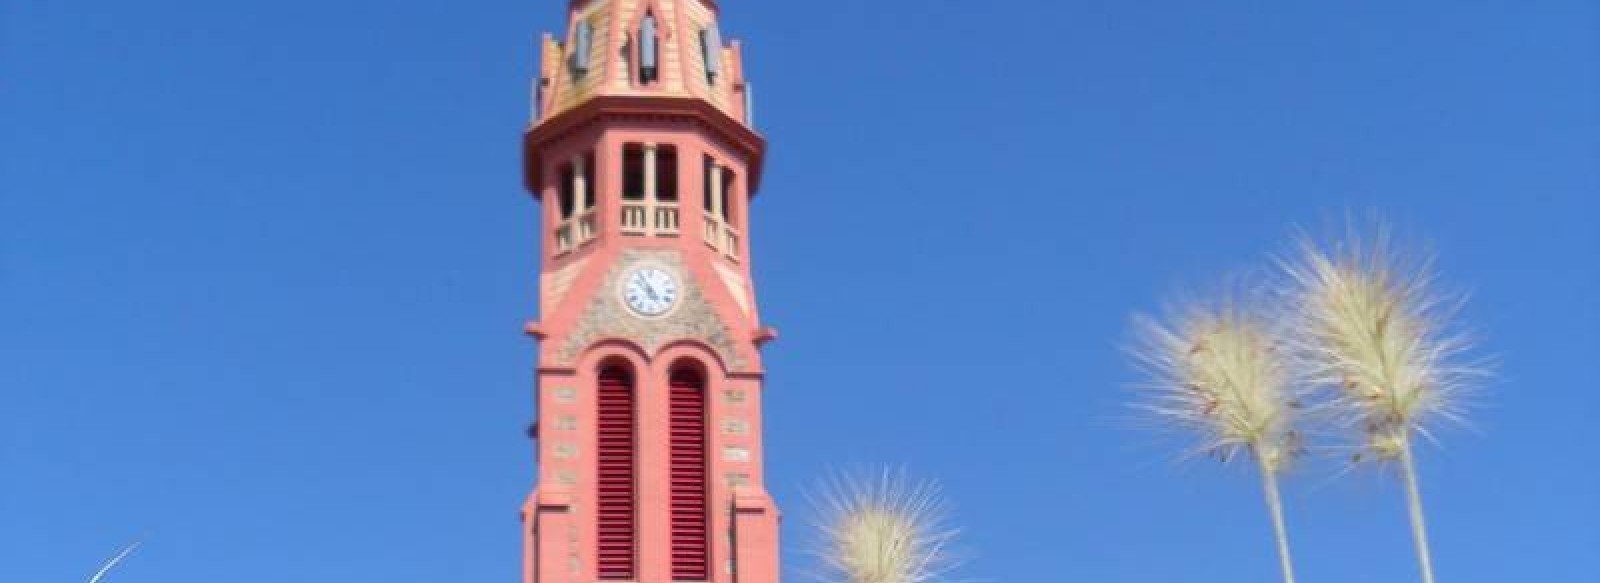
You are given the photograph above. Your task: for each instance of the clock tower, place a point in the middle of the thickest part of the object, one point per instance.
(644, 162)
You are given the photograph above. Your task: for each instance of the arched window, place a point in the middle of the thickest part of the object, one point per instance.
(691, 544)
(616, 514)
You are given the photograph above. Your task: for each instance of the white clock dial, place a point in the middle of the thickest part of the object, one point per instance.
(650, 291)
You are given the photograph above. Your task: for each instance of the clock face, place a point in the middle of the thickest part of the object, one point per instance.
(650, 291)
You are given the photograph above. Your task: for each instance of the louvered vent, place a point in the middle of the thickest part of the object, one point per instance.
(647, 44)
(711, 52)
(691, 550)
(616, 477)
(582, 42)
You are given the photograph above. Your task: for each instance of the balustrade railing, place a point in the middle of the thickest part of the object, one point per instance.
(643, 218)
(661, 219)
(667, 219)
(586, 227)
(564, 237)
(730, 241)
(721, 236)
(634, 216)
(574, 232)
(712, 231)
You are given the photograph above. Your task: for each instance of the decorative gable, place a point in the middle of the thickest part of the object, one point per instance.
(607, 317)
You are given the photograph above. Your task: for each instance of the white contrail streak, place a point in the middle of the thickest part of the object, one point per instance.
(113, 562)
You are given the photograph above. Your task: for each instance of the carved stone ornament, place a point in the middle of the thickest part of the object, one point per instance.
(607, 317)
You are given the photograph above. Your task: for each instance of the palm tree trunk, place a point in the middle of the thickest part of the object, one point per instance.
(1269, 484)
(1419, 530)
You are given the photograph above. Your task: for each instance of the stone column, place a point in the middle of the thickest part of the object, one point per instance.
(581, 227)
(717, 223)
(652, 222)
(580, 186)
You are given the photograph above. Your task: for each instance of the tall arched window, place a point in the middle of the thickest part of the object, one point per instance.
(691, 544)
(616, 514)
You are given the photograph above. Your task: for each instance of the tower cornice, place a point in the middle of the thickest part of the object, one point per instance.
(633, 107)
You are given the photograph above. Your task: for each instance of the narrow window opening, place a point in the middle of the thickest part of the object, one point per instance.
(728, 177)
(588, 181)
(633, 172)
(666, 173)
(707, 184)
(569, 194)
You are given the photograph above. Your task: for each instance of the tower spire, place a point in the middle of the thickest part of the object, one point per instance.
(639, 56)
(660, 48)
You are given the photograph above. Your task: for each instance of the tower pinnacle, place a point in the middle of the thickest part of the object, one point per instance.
(642, 48)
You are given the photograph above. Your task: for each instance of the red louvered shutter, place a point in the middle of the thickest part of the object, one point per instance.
(691, 545)
(616, 477)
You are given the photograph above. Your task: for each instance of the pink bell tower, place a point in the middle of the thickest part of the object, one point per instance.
(649, 380)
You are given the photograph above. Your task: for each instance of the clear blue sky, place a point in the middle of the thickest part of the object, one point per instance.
(264, 264)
